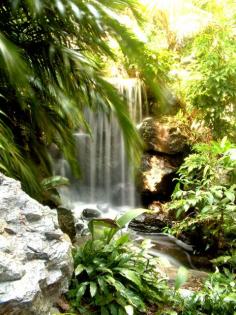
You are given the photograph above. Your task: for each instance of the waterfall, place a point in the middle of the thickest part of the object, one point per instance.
(106, 174)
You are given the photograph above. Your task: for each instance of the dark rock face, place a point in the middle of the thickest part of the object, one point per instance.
(35, 256)
(147, 224)
(162, 138)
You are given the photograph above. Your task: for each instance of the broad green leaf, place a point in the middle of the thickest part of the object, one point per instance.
(230, 195)
(60, 6)
(131, 275)
(121, 311)
(114, 309)
(122, 240)
(79, 269)
(129, 216)
(179, 212)
(96, 226)
(93, 288)
(129, 309)
(81, 290)
(89, 269)
(181, 277)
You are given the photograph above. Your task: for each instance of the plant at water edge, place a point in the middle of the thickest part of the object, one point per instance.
(112, 275)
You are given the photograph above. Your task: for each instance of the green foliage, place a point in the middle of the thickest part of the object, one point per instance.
(204, 198)
(50, 57)
(112, 275)
(227, 260)
(218, 296)
(212, 88)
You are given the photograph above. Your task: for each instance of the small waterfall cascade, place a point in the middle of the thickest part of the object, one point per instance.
(106, 174)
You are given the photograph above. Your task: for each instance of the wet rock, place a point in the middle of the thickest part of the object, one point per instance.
(35, 268)
(89, 214)
(151, 222)
(147, 224)
(161, 137)
(67, 222)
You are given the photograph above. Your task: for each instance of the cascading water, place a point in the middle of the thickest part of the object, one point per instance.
(106, 174)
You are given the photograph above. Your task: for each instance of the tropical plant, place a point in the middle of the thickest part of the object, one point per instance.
(204, 198)
(50, 53)
(113, 275)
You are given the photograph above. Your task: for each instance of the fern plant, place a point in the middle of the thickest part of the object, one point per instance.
(112, 275)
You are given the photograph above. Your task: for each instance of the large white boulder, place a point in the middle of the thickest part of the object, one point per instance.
(35, 256)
